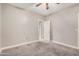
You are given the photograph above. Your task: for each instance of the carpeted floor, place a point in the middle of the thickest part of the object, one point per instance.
(41, 49)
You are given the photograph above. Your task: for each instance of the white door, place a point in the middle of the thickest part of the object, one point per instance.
(44, 30)
(41, 30)
(47, 30)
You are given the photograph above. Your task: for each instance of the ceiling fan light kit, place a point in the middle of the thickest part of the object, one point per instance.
(46, 4)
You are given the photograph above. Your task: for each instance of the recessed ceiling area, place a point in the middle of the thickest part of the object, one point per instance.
(53, 7)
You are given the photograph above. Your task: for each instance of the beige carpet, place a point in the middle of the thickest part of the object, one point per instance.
(41, 49)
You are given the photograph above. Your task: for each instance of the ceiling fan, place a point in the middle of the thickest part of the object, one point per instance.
(47, 7)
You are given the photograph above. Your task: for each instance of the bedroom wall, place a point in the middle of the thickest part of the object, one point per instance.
(0, 26)
(18, 26)
(64, 25)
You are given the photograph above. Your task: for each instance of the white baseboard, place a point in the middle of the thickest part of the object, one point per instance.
(8, 47)
(67, 45)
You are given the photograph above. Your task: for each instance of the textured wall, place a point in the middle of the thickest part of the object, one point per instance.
(64, 25)
(18, 26)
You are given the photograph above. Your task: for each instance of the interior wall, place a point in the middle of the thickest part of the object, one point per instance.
(0, 26)
(64, 25)
(18, 26)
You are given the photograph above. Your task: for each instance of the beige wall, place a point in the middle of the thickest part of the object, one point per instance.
(18, 26)
(0, 25)
(64, 25)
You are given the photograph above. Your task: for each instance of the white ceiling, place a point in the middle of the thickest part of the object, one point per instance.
(41, 9)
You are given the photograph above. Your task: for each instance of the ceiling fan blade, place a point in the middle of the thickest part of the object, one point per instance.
(38, 4)
(47, 7)
(57, 3)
